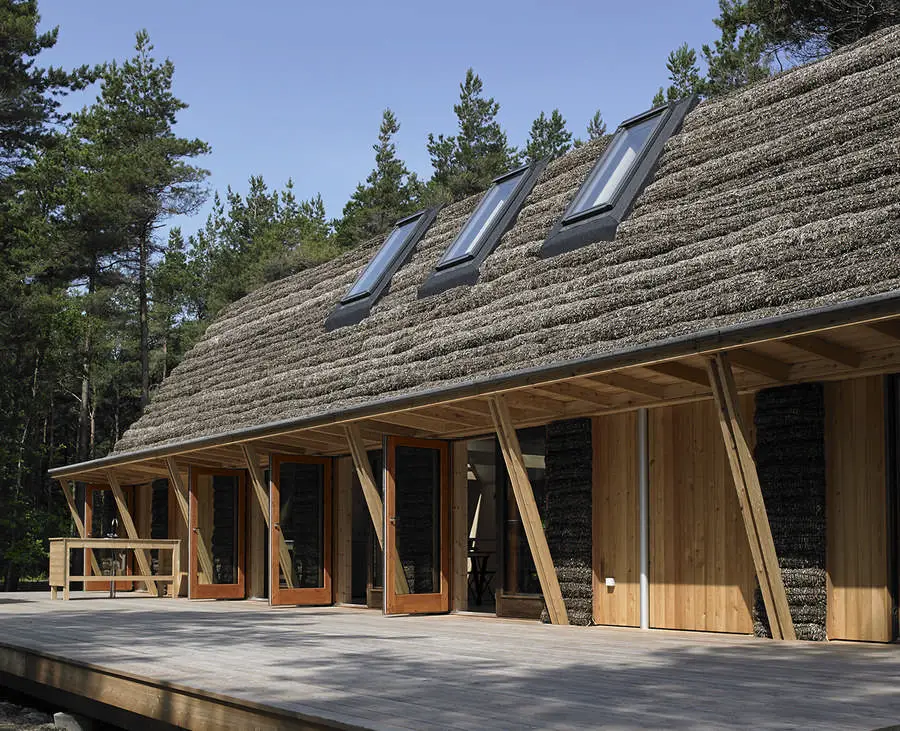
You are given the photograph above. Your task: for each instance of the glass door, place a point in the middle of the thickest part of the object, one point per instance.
(300, 530)
(217, 501)
(102, 520)
(417, 526)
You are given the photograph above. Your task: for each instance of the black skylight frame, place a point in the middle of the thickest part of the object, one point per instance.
(465, 270)
(351, 310)
(600, 223)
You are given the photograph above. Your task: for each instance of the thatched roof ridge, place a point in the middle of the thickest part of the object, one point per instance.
(778, 198)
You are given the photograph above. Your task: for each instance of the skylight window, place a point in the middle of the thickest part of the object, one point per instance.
(376, 269)
(621, 173)
(495, 213)
(375, 278)
(618, 161)
(479, 225)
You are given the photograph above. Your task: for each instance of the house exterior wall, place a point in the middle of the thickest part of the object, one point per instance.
(859, 602)
(616, 517)
(790, 460)
(701, 570)
(568, 516)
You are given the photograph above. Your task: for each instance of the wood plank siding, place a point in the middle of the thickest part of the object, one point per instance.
(701, 570)
(859, 603)
(616, 529)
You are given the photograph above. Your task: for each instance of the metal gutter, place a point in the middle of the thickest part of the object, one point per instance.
(796, 323)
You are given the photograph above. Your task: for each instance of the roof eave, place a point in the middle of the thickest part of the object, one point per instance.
(846, 313)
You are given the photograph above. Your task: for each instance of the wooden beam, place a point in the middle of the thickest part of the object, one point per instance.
(574, 391)
(682, 372)
(753, 509)
(69, 491)
(629, 383)
(525, 401)
(764, 365)
(258, 483)
(888, 328)
(373, 499)
(827, 349)
(140, 555)
(528, 510)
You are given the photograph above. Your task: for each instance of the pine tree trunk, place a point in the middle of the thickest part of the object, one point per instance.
(145, 330)
(84, 426)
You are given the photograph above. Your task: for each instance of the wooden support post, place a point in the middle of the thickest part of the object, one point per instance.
(459, 525)
(343, 531)
(140, 555)
(753, 509)
(373, 499)
(69, 491)
(528, 510)
(181, 497)
(258, 483)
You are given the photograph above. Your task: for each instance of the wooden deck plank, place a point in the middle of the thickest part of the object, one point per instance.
(358, 667)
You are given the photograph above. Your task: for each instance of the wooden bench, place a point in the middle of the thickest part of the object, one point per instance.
(60, 560)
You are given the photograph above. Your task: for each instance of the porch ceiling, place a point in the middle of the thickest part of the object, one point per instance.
(831, 353)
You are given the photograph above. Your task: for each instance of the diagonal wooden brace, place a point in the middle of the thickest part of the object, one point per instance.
(753, 509)
(531, 519)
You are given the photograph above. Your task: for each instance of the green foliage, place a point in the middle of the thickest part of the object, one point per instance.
(259, 237)
(549, 137)
(684, 76)
(741, 55)
(467, 162)
(29, 94)
(390, 192)
(807, 29)
(596, 128)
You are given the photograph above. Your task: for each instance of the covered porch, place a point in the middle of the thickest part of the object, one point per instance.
(203, 664)
(717, 368)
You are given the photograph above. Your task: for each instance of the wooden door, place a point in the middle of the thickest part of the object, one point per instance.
(96, 525)
(216, 557)
(300, 530)
(417, 526)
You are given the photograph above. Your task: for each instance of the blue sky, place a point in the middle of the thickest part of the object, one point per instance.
(296, 89)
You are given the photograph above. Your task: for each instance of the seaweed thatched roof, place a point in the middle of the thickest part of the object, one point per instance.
(782, 197)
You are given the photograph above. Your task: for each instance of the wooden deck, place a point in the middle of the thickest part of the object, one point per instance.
(460, 672)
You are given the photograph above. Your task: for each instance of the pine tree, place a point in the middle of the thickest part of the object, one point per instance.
(148, 175)
(596, 127)
(808, 29)
(549, 137)
(389, 193)
(29, 94)
(467, 162)
(740, 56)
(684, 76)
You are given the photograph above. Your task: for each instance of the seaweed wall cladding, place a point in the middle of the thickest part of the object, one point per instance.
(790, 459)
(568, 515)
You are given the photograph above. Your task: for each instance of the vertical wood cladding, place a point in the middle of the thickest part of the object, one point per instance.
(790, 460)
(701, 569)
(567, 522)
(616, 519)
(858, 560)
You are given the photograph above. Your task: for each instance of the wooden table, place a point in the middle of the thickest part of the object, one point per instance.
(60, 560)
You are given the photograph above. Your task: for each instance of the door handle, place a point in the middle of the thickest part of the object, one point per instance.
(277, 526)
(196, 530)
(393, 520)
